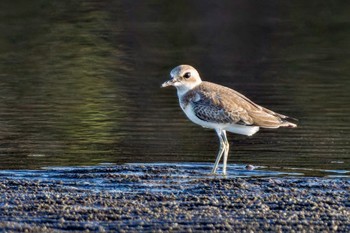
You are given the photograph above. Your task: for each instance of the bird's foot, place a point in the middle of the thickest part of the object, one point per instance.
(212, 173)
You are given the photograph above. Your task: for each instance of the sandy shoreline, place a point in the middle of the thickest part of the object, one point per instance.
(154, 200)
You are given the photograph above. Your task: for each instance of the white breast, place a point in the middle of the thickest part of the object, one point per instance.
(233, 128)
(191, 115)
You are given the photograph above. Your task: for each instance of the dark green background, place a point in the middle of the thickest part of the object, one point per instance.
(79, 80)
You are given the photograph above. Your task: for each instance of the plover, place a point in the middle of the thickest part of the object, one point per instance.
(221, 108)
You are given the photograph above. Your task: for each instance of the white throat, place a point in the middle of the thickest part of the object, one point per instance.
(183, 88)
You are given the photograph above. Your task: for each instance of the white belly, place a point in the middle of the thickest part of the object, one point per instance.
(190, 114)
(233, 128)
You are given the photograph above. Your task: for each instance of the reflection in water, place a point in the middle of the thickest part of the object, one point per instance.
(80, 80)
(58, 92)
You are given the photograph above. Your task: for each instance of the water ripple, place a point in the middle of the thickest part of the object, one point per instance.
(141, 177)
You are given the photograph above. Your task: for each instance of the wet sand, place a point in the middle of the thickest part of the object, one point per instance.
(169, 198)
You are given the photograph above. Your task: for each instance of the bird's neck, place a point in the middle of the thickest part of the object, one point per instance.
(186, 87)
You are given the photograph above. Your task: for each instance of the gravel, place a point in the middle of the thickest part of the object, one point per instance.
(150, 198)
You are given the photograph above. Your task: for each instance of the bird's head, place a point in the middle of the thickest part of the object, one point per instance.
(184, 78)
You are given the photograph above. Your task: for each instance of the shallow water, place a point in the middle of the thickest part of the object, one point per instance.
(151, 177)
(80, 81)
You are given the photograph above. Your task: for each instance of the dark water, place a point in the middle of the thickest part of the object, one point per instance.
(79, 81)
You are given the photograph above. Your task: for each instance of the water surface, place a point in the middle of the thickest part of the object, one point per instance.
(80, 81)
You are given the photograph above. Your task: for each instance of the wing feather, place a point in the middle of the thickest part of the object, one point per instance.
(215, 103)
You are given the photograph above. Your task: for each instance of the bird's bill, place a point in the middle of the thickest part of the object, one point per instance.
(168, 83)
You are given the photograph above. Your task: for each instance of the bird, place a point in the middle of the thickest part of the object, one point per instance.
(221, 108)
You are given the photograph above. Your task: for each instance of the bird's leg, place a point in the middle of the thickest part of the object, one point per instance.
(227, 148)
(221, 151)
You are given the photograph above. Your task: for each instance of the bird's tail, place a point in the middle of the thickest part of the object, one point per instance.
(287, 121)
(288, 124)
(270, 119)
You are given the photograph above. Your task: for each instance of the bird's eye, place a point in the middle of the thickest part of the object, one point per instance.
(187, 75)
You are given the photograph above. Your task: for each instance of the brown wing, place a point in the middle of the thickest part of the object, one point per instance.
(216, 103)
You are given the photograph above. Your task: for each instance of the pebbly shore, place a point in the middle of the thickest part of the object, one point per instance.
(162, 199)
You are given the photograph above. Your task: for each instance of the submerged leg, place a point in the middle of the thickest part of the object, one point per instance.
(221, 150)
(227, 148)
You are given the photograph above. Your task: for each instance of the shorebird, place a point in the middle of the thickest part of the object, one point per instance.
(221, 108)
